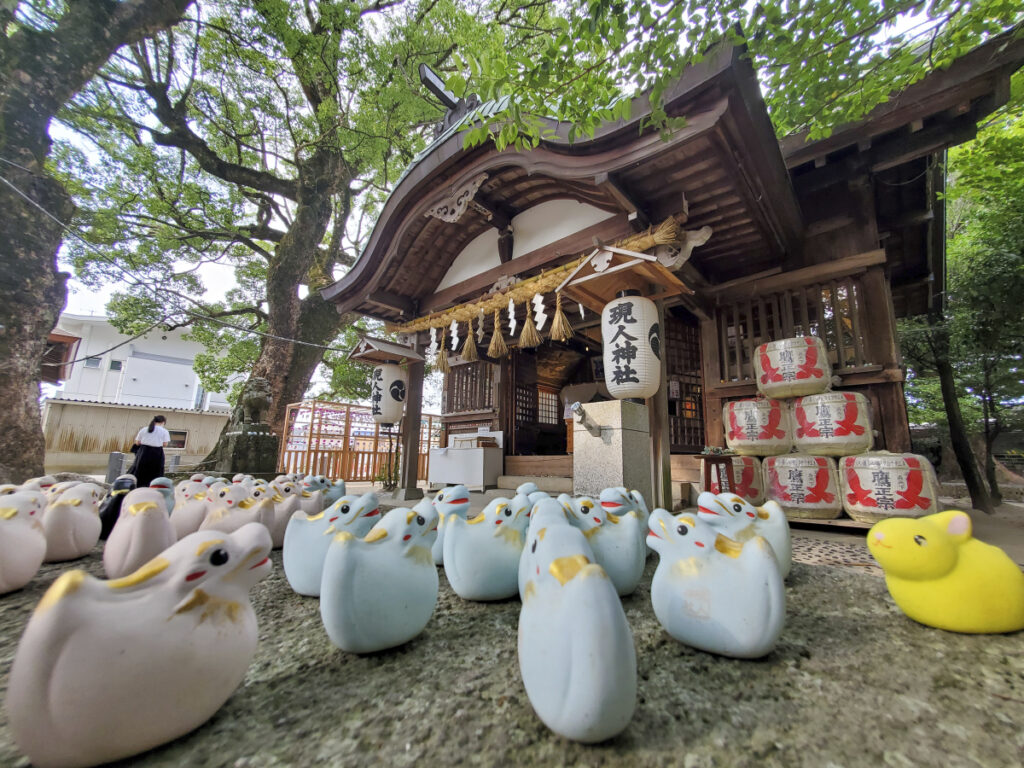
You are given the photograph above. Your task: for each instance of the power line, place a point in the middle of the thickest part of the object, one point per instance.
(89, 246)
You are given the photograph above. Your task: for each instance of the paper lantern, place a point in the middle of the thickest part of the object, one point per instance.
(880, 485)
(792, 367)
(832, 424)
(632, 346)
(388, 385)
(758, 427)
(804, 486)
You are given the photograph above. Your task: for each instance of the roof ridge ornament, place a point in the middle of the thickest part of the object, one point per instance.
(451, 208)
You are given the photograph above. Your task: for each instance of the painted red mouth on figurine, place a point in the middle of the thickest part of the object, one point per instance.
(707, 511)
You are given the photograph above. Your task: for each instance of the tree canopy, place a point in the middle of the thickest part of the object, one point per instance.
(262, 135)
(985, 280)
(821, 62)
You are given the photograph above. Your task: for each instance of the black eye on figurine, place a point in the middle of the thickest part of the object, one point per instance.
(683, 529)
(219, 557)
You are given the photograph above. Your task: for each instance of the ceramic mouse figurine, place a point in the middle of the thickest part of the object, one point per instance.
(311, 498)
(740, 520)
(307, 538)
(939, 575)
(43, 483)
(142, 532)
(714, 593)
(233, 506)
(72, 523)
(190, 508)
(453, 500)
(22, 540)
(286, 497)
(527, 488)
(110, 508)
(481, 555)
(380, 591)
(333, 492)
(166, 487)
(545, 513)
(103, 667)
(576, 653)
(618, 544)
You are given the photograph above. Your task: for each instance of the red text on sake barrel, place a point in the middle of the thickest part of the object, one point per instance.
(748, 482)
(759, 427)
(876, 486)
(792, 367)
(832, 424)
(804, 486)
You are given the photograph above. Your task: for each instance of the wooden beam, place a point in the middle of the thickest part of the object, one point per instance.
(635, 212)
(401, 304)
(562, 250)
(755, 286)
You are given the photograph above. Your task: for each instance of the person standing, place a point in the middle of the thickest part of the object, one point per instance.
(149, 458)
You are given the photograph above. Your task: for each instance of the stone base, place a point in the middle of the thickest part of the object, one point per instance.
(408, 494)
(619, 455)
(252, 450)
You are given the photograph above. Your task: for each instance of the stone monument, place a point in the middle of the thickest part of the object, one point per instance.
(611, 447)
(247, 444)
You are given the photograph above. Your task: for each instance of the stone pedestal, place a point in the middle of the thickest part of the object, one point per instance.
(251, 449)
(616, 450)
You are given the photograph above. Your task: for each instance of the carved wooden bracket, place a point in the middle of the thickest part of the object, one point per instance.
(452, 207)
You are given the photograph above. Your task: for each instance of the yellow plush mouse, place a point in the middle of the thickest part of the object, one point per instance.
(940, 576)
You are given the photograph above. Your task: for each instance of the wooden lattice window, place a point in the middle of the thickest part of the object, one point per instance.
(469, 388)
(549, 410)
(526, 404)
(685, 404)
(834, 311)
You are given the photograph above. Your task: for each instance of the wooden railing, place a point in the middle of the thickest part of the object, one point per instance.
(341, 441)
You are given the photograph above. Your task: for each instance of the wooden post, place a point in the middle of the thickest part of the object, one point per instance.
(657, 413)
(407, 481)
(346, 447)
(711, 373)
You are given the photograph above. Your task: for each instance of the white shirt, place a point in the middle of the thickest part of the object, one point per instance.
(157, 437)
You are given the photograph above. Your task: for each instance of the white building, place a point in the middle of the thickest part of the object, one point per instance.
(154, 370)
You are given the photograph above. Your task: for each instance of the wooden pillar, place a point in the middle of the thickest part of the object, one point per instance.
(407, 482)
(711, 377)
(657, 411)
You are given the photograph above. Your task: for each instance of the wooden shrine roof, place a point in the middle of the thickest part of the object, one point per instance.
(718, 162)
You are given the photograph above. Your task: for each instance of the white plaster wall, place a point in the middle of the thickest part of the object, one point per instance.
(143, 380)
(532, 229)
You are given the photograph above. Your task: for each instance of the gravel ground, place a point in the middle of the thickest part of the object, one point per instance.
(852, 682)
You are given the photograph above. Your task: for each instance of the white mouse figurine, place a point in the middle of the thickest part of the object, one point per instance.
(576, 653)
(22, 540)
(714, 593)
(72, 523)
(109, 669)
(543, 514)
(738, 519)
(233, 506)
(481, 555)
(142, 532)
(618, 544)
(190, 507)
(450, 501)
(380, 591)
(307, 538)
(333, 492)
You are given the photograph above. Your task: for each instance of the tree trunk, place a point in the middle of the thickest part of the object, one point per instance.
(957, 432)
(288, 365)
(39, 71)
(32, 295)
(992, 429)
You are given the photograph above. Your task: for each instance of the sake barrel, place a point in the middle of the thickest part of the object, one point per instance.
(880, 485)
(804, 486)
(758, 427)
(832, 424)
(748, 481)
(792, 367)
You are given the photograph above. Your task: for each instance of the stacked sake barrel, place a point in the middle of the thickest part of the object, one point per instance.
(798, 412)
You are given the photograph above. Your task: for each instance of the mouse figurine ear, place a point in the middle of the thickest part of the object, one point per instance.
(955, 523)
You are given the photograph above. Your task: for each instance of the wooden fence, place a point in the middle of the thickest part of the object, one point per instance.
(342, 441)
